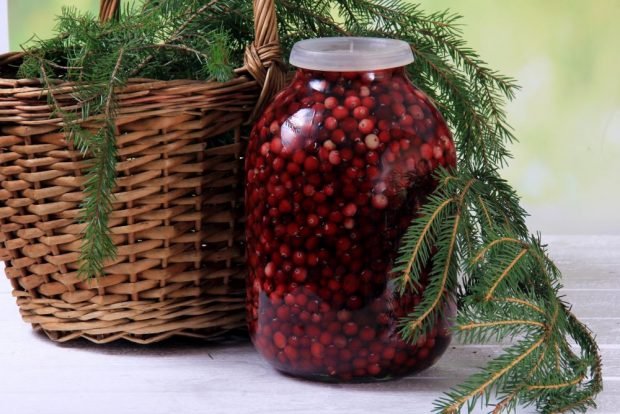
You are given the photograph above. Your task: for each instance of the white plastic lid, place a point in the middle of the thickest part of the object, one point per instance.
(335, 54)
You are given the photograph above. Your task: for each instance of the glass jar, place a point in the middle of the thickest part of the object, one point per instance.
(337, 167)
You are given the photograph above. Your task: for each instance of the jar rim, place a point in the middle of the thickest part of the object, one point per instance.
(337, 54)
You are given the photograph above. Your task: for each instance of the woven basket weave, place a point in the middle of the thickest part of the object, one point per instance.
(177, 210)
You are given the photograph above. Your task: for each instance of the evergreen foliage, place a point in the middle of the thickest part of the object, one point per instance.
(472, 228)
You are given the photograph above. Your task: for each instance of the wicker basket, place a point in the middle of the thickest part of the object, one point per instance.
(177, 211)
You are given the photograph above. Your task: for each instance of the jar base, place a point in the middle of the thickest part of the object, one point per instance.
(396, 374)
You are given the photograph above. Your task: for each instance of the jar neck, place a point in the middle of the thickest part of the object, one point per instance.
(364, 76)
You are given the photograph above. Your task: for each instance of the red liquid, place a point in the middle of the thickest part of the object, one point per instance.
(337, 167)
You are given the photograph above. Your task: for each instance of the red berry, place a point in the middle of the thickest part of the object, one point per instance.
(416, 112)
(343, 244)
(330, 229)
(334, 157)
(299, 258)
(291, 353)
(398, 109)
(300, 274)
(349, 210)
(338, 136)
(289, 299)
(285, 206)
(340, 341)
(369, 102)
(283, 312)
(374, 369)
(311, 164)
(279, 339)
(276, 145)
(354, 302)
(331, 102)
(285, 251)
(301, 300)
(270, 269)
(343, 315)
(406, 121)
(299, 156)
(313, 259)
(335, 216)
(349, 328)
(317, 349)
(361, 112)
(278, 164)
(366, 126)
(426, 151)
(330, 123)
(325, 338)
(367, 334)
(372, 141)
(348, 125)
(312, 220)
(437, 152)
(372, 158)
(352, 102)
(340, 112)
(379, 201)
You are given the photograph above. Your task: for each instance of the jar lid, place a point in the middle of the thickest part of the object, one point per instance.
(335, 54)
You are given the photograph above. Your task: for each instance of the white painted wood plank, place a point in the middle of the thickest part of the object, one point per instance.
(597, 303)
(587, 262)
(596, 249)
(5, 284)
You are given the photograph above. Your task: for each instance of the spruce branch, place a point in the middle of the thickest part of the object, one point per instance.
(510, 290)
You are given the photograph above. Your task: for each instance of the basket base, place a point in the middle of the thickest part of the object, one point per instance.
(140, 322)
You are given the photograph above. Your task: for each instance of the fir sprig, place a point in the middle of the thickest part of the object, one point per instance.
(509, 289)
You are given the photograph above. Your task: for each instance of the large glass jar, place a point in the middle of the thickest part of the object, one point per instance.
(337, 167)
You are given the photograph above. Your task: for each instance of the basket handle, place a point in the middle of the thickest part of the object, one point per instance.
(263, 57)
(109, 9)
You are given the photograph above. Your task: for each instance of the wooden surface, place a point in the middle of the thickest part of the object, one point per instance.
(37, 376)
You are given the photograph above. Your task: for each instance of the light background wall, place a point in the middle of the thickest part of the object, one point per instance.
(564, 53)
(566, 56)
(4, 27)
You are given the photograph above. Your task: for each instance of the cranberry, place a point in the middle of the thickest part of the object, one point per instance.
(311, 164)
(426, 151)
(340, 112)
(331, 102)
(352, 102)
(299, 258)
(379, 201)
(366, 126)
(334, 157)
(372, 141)
(317, 349)
(350, 328)
(350, 210)
(361, 112)
(312, 220)
(279, 339)
(270, 269)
